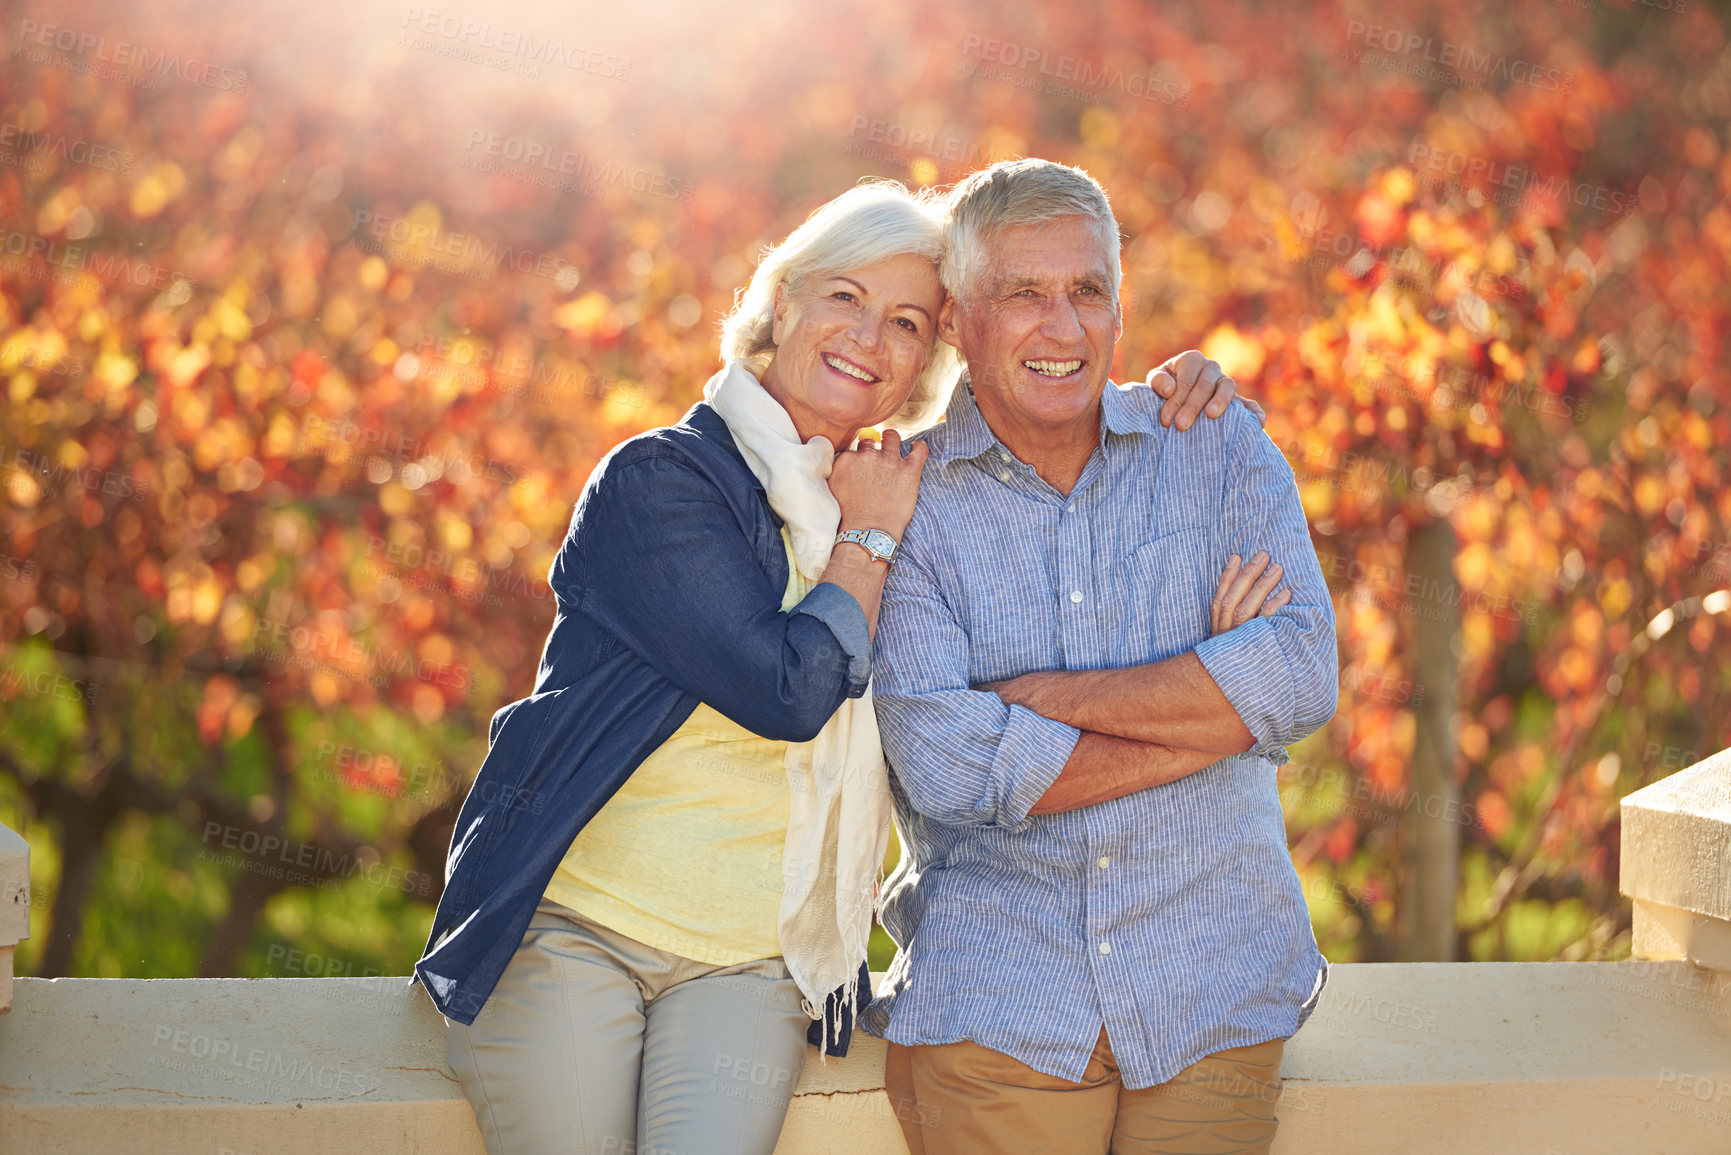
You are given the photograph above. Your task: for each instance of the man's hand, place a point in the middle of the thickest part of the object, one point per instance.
(1024, 690)
(1190, 381)
(1243, 592)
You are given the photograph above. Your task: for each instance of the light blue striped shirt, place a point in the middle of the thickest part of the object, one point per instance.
(1172, 915)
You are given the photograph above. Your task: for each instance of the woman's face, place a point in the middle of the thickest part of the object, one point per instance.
(850, 346)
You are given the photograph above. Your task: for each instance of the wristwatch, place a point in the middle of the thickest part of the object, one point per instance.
(876, 542)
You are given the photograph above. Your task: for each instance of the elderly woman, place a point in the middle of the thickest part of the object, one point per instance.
(661, 883)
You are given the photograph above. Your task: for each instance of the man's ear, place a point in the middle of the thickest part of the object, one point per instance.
(948, 323)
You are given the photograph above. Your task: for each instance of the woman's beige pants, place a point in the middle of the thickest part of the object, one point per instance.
(595, 1044)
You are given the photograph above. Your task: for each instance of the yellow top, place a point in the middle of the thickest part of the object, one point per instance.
(686, 857)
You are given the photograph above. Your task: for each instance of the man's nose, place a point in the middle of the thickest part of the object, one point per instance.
(1063, 322)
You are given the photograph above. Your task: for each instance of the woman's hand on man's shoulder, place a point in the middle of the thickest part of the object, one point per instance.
(1190, 381)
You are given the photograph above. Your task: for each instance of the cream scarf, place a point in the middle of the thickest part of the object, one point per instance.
(839, 809)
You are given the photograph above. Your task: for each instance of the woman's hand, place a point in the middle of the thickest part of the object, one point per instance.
(1243, 592)
(876, 488)
(1188, 382)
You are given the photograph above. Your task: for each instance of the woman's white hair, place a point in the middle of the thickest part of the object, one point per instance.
(868, 223)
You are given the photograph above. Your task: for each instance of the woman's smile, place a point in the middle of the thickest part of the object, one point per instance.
(843, 367)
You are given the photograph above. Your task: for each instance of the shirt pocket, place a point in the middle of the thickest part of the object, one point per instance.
(1011, 616)
(1164, 590)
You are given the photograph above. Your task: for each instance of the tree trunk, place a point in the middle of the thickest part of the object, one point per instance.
(83, 828)
(246, 900)
(1433, 832)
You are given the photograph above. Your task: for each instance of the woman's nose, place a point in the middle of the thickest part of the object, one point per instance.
(868, 331)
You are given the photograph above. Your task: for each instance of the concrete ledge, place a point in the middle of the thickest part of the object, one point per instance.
(1528, 1058)
(1676, 865)
(1492, 1058)
(237, 1065)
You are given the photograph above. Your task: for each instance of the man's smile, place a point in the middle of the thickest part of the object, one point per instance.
(1056, 370)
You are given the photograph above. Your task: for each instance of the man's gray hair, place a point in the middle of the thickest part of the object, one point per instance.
(871, 222)
(1029, 191)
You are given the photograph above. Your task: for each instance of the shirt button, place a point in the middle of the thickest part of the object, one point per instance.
(1104, 861)
(1105, 948)
(1075, 595)
(1071, 508)
(1003, 475)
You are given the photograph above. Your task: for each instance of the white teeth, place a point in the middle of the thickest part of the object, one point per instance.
(841, 366)
(1053, 368)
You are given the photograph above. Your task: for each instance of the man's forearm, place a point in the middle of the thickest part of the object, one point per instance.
(1103, 767)
(1172, 703)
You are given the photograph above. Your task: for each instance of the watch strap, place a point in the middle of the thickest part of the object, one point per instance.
(876, 542)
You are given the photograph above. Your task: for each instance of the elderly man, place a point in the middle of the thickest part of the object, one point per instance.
(1103, 941)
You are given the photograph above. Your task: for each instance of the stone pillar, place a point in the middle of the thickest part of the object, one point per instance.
(14, 906)
(1676, 865)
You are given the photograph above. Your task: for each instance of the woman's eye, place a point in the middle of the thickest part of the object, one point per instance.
(843, 294)
(907, 324)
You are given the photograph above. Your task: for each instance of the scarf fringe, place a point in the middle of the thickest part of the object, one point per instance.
(851, 1002)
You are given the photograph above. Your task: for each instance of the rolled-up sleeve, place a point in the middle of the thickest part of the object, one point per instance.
(658, 558)
(841, 612)
(962, 756)
(1280, 673)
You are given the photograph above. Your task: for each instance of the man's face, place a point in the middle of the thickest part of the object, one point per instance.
(1038, 329)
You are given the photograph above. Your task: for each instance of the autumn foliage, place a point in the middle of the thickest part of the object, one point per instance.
(303, 371)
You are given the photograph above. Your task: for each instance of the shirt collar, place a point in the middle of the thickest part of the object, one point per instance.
(967, 435)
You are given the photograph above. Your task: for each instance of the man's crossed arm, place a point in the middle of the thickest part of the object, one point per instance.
(1128, 746)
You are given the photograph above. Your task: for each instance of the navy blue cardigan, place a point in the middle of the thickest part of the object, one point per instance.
(668, 590)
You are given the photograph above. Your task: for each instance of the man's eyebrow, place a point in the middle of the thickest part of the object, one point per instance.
(1004, 281)
(866, 292)
(1011, 281)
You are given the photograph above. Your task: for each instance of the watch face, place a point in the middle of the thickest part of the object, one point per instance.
(879, 542)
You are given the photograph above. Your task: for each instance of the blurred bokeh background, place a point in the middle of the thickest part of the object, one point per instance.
(314, 317)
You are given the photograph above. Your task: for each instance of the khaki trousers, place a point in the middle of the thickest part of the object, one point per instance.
(965, 1099)
(596, 1044)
